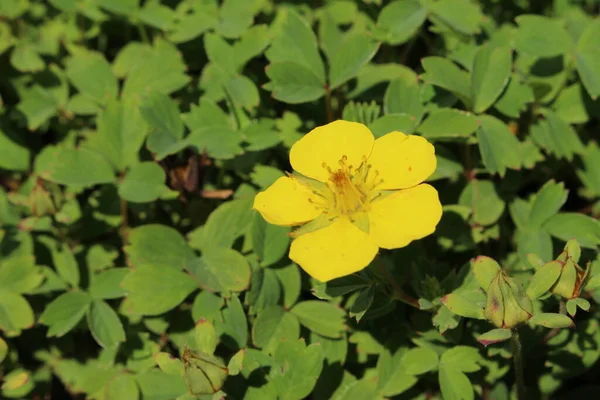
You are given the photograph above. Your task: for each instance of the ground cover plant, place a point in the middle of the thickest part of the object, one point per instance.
(260, 199)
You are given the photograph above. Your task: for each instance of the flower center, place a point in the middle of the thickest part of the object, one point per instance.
(351, 189)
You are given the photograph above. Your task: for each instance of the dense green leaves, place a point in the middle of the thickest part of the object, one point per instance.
(135, 136)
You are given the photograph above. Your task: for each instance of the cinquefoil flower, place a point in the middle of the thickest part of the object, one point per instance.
(352, 194)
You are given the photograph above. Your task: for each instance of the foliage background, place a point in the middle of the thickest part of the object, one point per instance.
(134, 134)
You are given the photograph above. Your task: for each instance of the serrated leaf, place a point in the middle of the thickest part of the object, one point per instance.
(548, 201)
(490, 74)
(482, 197)
(160, 246)
(91, 74)
(444, 73)
(448, 124)
(269, 242)
(354, 52)
(221, 270)
(144, 182)
(419, 360)
(77, 167)
(62, 314)
(166, 127)
(294, 83)
(400, 20)
(153, 290)
(499, 148)
(461, 15)
(566, 226)
(541, 36)
(273, 326)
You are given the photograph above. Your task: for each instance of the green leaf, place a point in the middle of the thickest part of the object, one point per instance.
(160, 246)
(321, 317)
(543, 279)
(25, 59)
(462, 306)
(273, 326)
(556, 136)
(394, 122)
(444, 73)
(166, 127)
(14, 155)
(295, 369)
(461, 358)
(62, 314)
(419, 360)
(205, 337)
(234, 322)
(499, 148)
(3, 350)
(403, 96)
(169, 364)
(448, 124)
(121, 132)
(153, 290)
(572, 305)
(91, 74)
(221, 270)
(454, 384)
(144, 182)
(122, 387)
(515, 98)
(461, 15)
(362, 303)
(220, 53)
(207, 306)
(107, 284)
(491, 71)
(19, 274)
(584, 229)
(243, 92)
(393, 379)
(482, 198)
(294, 83)
(551, 320)
(296, 43)
(270, 242)
(494, 336)
(161, 70)
(204, 374)
(104, 324)
(77, 167)
(202, 17)
(587, 59)
(547, 203)
(541, 36)
(66, 264)
(356, 50)
(15, 313)
(155, 384)
(485, 269)
(235, 365)
(400, 20)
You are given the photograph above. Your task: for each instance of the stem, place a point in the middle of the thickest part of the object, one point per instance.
(124, 222)
(328, 107)
(398, 292)
(143, 33)
(518, 363)
(562, 309)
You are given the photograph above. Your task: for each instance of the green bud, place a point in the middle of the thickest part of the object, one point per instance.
(571, 280)
(507, 303)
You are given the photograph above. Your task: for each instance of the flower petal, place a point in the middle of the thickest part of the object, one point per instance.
(404, 216)
(337, 250)
(328, 144)
(402, 161)
(286, 202)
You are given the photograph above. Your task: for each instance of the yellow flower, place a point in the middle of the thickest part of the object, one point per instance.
(355, 194)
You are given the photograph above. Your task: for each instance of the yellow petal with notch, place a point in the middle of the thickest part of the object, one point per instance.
(287, 202)
(404, 216)
(328, 144)
(338, 250)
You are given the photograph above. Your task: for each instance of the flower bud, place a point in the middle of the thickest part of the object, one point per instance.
(570, 281)
(507, 304)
